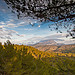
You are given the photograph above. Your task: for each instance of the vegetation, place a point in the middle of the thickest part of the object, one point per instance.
(26, 60)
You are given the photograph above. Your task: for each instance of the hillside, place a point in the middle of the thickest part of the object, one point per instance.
(56, 48)
(26, 60)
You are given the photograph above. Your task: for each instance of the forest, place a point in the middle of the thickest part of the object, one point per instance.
(26, 60)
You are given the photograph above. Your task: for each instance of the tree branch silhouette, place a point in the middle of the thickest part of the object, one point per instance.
(45, 10)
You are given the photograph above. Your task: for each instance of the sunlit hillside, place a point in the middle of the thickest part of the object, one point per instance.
(56, 48)
(26, 60)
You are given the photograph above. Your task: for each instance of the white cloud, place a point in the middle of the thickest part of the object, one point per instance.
(16, 23)
(27, 21)
(59, 38)
(11, 20)
(1, 27)
(67, 41)
(56, 36)
(21, 23)
(32, 39)
(28, 29)
(11, 25)
(2, 23)
(7, 34)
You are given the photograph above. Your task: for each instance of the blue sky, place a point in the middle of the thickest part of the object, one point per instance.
(20, 30)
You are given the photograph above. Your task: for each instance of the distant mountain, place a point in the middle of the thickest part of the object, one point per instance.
(56, 48)
(47, 42)
(31, 41)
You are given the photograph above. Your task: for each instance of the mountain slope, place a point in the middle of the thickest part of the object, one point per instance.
(47, 42)
(56, 48)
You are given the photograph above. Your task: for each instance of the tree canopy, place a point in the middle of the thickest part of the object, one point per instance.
(53, 10)
(45, 10)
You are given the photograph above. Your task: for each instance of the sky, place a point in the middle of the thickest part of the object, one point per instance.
(21, 31)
